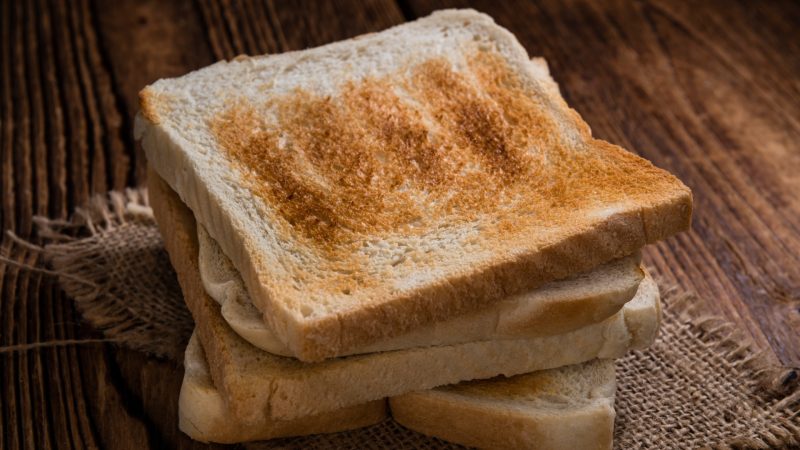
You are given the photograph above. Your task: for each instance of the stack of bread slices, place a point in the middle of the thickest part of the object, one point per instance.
(409, 223)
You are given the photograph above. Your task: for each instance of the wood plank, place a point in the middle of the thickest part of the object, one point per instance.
(54, 383)
(39, 125)
(56, 159)
(94, 130)
(22, 127)
(141, 42)
(254, 27)
(105, 101)
(692, 88)
(15, 151)
(51, 397)
(75, 128)
(309, 23)
(7, 124)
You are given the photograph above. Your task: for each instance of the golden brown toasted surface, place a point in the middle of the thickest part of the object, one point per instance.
(441, 146)
(150, 102)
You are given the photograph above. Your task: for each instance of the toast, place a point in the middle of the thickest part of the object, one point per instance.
(368, 187)
(254, 383)
(557, 307)
(567, 408)
(203, 414)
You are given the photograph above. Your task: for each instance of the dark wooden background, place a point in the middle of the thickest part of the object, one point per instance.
(708, 90)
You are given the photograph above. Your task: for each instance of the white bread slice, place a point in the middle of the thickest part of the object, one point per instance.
(255, 383)
(370, 186)
(557, 307)
(567, 408)
(204, 417)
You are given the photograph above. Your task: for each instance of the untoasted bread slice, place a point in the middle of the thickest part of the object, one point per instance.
(254, 383)
(204, 416)
(370, 186)
(567, 408)
(557, 307)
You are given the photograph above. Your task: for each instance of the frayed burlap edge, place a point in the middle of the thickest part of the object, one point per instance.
(772, 392)
(736, 347)
(85, 253)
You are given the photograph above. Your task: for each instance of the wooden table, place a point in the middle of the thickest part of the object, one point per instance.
(709, 91)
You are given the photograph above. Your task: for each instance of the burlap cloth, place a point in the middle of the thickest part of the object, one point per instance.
(700, 385)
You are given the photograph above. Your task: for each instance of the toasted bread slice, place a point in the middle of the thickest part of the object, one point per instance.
(557, 307)
(203, 414)
(255, 383)
(367, 187)
(567, 408)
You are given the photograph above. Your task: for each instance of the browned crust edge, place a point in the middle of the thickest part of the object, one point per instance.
(619, 236)
(147, 105)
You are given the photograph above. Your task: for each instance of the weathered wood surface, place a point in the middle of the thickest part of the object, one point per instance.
(708, 90)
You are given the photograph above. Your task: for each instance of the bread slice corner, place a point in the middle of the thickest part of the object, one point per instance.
(204, 416)
(567, 408)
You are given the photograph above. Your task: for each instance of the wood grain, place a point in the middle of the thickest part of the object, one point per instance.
(708, 90)
(60, 142)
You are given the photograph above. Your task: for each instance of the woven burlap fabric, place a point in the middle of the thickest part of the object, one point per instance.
(700, 385)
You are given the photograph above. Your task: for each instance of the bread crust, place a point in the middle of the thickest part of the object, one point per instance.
(557, 307)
